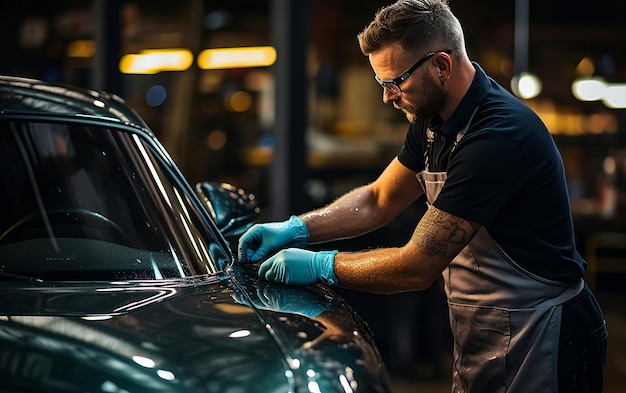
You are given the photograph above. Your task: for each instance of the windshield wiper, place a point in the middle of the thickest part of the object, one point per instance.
(19, 277)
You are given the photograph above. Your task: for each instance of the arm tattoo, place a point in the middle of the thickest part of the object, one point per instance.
(437, 230)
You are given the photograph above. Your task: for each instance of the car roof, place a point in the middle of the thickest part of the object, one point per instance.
(34, 97)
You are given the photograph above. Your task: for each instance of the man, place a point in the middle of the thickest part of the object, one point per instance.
(498, 226)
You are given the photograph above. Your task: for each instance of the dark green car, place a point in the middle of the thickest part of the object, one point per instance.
(116, 275)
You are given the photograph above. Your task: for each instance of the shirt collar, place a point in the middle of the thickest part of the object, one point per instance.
(461, 115)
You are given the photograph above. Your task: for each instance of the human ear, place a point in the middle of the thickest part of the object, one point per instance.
(443, 63)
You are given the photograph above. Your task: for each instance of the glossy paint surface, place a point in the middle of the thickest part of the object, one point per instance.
(190, 336)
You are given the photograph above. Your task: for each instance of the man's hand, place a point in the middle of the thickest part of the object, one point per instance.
(263, 239)
(295, 266)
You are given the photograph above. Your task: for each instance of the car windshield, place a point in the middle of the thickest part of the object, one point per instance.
(90, 203)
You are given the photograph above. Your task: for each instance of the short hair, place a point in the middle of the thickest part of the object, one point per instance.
(415, 26)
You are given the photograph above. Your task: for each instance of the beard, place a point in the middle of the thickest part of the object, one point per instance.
(430, 102)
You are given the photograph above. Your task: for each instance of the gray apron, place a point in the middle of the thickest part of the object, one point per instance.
(505, 320)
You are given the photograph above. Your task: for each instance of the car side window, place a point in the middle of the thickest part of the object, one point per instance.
(97, 203)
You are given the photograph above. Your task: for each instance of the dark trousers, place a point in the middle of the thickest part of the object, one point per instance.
(582, 345)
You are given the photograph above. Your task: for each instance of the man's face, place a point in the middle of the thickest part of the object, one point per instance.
(421, 96)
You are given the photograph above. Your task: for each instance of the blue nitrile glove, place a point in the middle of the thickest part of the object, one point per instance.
(295, 266)
(262, 239)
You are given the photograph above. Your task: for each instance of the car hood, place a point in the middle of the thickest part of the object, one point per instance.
(148, 338)
(206, 335)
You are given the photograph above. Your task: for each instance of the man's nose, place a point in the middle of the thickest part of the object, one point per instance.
(389, 97)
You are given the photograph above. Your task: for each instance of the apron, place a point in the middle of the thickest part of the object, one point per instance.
(505, 320)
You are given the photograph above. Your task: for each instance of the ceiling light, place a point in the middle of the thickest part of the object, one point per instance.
(153, 61)
(589, 89)
(615, 96)
(526, 85)
(257, 56)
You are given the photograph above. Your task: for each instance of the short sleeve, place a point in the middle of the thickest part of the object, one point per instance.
(485, 172)
(412, 152)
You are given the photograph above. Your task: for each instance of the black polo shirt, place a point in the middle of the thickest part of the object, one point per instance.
(505, 174)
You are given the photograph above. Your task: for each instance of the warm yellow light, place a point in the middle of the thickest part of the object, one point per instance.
(216, 140)
(239, 101)
(256, 56)
(153, 61)
(585, 67)
(81, 48)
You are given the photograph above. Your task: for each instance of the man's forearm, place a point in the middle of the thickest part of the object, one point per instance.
(366, 208)
(387, 270)
(437, 239)
(353, 214)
